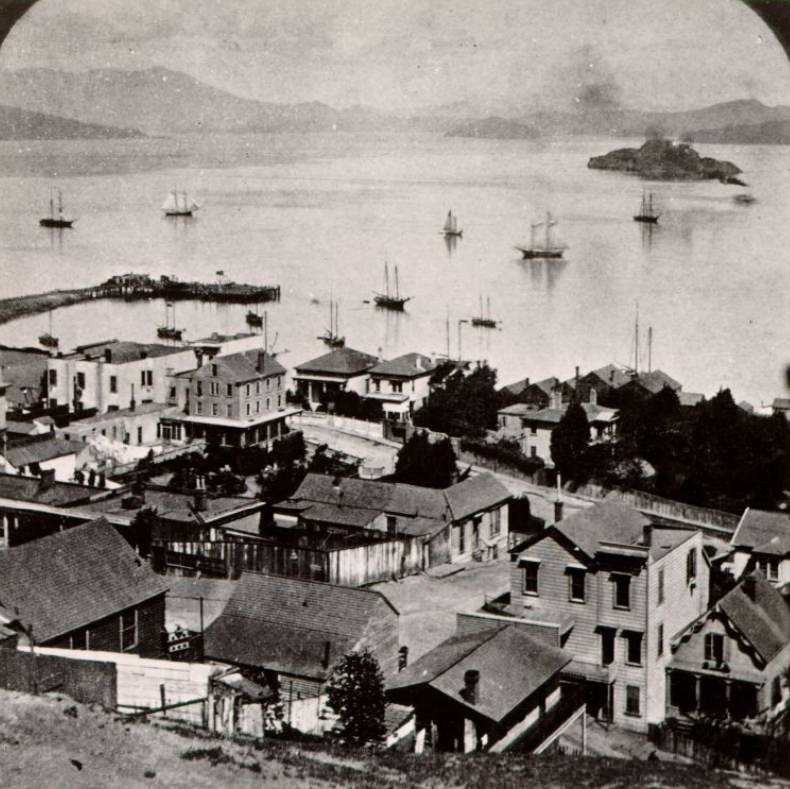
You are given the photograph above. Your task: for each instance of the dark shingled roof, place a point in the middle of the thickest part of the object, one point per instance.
(42, 450)
(512, 666)
(410, 365)
(241, 367)
(764, 620)
(547, 386)
(71, 579)
(19, 488)
(285, 624)
(762, 531)
(656, 380)
(341, 361)
(612, 374)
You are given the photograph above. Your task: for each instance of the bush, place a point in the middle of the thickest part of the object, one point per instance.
(356, 694)
(505, 452)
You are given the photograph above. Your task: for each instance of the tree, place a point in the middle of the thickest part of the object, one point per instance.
(430, 464)
(356, 694)
(569, 443)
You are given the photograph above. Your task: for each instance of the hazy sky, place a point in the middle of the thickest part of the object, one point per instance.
(413, 53)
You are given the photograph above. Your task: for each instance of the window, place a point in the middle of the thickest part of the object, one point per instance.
(268, 404)
(142, 377)
(397, 386)
(198, 408)
(769, 568)
(214, 370)
(257, 387)
(268, 384)
(53, 377)
(633, 652)
(632, 701)
(215, 409)
(114, 384)
(607, 646)
(229, 390)
(213, 388)
(140, 435)
(257, 406)
(247, 390)
(128, 622)
(496, 523)
(80, 640)
(622, 591)
(279, 401)
(461, 529)
(199, 388)
(392, 523)
(229, 410)
(714, 648)
(81, 380)
(576, 584)
(149, 377)
(533, 430)
(533, 452)
(660, 585)
(691, 565)
(248, 409)
(660, 641)
(531, 578)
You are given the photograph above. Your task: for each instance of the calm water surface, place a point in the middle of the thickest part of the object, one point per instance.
(319, 214)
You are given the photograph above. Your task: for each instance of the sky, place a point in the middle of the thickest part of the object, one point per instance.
(508, 55)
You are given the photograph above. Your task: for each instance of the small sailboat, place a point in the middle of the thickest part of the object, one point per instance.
(647, 211)
(169, 330)
(48, 339)
(54, 220)
(548, 248)
(254, 319)
(744, 199)
(388, 300)
(331, 336)
(484, 319)
(451, 226)
(178, 204)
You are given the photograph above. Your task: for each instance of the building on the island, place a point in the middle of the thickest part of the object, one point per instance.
(469, 520)
(114, 375)
(84, 588)
(236, 400)
(340, 370)
(401, 385)
(532, 428)
(732, 661)
(42, 453)
(137, 426)
(494, 689)
(615, 589)
(761, 542)
(781, 405)
(290, 633)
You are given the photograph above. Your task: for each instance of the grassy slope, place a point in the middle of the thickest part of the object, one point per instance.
(41, 738)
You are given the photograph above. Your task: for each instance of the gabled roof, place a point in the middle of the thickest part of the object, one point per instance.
(122, 352)
(781, 404)
(290, 625)
(41, 450)
(607, 521)
(71, 579)
(410, 365)
(341, 361)
(20, 488)
(761, 531)
(241, 367)
(512, 666)
(553, 416)
(764, 618)
(475, 493)
(614, 375)
(655, 381)
(547, 386)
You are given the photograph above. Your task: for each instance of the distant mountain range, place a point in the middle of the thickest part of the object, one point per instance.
(158, 101)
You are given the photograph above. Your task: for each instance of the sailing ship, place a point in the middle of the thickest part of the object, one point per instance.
(388, 300)
(647, 211)
(548, 248)
(48, 340)
(52, 220)
(254, 319)
(331, 336)
(484, 319)
(451, 226)
(178, 204)
(169, 330)
(744, 199)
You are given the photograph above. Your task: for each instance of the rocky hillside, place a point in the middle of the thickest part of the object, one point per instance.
(49, 741)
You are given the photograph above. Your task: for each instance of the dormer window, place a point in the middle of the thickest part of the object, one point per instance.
(214, 370)
(622, 591)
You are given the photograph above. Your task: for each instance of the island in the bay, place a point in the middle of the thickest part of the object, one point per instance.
(666, 161)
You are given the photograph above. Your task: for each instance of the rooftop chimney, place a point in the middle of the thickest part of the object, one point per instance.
(403, 658)
(200, 495)
(558, 506)
(470, 692)
(108, 355)
(577, 373)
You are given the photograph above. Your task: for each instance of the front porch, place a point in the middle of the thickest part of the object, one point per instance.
(703, 694)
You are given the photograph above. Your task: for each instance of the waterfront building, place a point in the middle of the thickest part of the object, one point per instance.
(401, 385)
(340, 370)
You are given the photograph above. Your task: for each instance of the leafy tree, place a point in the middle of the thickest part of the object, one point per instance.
(356, 694)
(465, 405)
(141, 530)
(569, 444)
(430, 464)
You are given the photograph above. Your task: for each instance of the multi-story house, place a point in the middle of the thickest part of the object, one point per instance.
(533, 428)
(234, 400)
(112, 376)
(762, 542)
(538, 394)
(615, 588)
(340, 370)
(401, 385)
(731, 661)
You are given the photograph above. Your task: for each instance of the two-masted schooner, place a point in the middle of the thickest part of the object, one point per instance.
(178, 204)
(545, 248)
(647, 210)
(388, 300)
(169, 330)
(55, 220)
(451, 228)
(331, 336)
(484, 320)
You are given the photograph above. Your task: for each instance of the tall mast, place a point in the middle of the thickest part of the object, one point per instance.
(265, 332)
(337, 319)
(488, 307)
(60, 204)
(481, 307)
(532, 229)
(447, 332)
(51, 202)
(636, 342)
(397, 286)
(650, 349)
(548, 230)
(386, 279)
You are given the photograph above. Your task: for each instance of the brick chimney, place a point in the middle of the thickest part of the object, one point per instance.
(403, 658)
(471, 691)
(200, 495)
